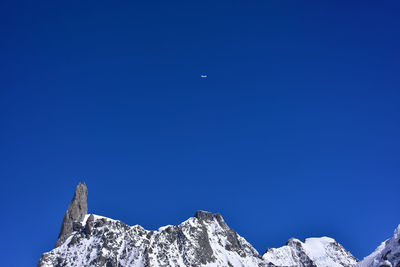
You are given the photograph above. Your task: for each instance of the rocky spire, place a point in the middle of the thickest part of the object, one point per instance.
(76, 212)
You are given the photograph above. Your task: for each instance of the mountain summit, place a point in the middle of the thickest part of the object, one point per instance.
(202, 240)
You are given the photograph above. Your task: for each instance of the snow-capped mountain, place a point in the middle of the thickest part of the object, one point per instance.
(323, 251)
(202, 240)
(386, 255)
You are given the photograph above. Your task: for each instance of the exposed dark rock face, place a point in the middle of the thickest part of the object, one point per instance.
(75, 214)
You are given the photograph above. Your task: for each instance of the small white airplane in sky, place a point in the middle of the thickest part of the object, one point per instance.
(203, 76)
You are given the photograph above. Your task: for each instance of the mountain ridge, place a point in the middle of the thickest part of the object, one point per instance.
(202, 240)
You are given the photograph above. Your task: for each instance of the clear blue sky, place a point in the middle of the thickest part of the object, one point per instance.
(295, 132)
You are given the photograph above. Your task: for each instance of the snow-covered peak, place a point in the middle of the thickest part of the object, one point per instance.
(320, 252)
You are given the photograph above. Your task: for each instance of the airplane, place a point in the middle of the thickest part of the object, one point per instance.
(203, 76)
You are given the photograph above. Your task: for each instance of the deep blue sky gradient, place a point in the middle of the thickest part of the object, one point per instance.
(295, 132)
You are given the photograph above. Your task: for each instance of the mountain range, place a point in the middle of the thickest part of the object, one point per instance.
(202, 240)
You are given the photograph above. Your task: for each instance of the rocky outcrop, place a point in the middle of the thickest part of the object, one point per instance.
(75, 214)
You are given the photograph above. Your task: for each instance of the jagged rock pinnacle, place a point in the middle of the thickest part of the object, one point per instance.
(76, 212)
